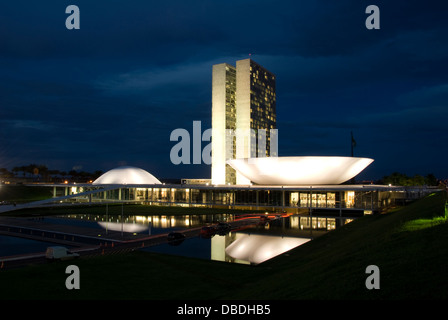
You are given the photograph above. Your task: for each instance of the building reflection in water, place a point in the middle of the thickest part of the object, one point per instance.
(251, 248)
(125, 227)
(256, 245)
(293, 222)
(139, 223)
(248, 246)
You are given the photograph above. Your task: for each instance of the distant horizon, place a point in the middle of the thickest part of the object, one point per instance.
(111, 92)
(357, 179)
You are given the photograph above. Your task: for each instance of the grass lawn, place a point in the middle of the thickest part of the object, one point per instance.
(22, 193)
(409, 245)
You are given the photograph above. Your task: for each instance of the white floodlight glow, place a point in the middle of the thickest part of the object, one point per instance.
(125, 227)
(312, 170)
(126, 175)
(258, 248)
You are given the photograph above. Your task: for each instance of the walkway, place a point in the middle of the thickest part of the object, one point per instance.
(51, 202)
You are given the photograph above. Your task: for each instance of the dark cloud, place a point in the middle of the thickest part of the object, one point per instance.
(112, 92)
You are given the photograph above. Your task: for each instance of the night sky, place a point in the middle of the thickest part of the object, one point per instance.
(111, 93)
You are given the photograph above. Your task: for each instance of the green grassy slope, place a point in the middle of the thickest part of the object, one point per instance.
(412, 261)
(410, 247)
(22, 193)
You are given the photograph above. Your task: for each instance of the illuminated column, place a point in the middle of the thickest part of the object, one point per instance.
(243, 102)
(243, 115)
(255, 111)
(218, 124)
(223, 117)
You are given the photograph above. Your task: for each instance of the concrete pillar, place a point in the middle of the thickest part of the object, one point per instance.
(256, 199)
(283, 199)
(341, 196)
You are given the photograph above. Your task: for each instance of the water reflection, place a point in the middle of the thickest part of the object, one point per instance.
(251, 245)
(263, 240)
(251, 248)
(234, 247)
(124, 227)
(154, 221)
(290, 222)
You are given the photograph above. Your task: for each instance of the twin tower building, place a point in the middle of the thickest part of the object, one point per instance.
(243, 117)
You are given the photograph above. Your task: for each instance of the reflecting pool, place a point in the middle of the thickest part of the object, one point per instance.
(10, 246)
(154, 224)
(253, 244)
(234, 247)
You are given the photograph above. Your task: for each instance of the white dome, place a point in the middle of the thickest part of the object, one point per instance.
(126, 175)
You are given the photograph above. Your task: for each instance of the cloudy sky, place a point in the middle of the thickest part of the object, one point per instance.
(112, 92)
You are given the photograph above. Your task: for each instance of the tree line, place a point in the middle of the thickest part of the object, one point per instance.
(42, 173)
(401, 179)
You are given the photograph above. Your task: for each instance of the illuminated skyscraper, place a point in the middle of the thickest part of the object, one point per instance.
(243, 113)
(223, 118)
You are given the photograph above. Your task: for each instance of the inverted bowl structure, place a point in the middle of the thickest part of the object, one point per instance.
(300, 170)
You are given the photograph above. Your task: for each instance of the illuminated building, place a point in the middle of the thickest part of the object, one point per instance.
(289, 171)
(126, 175)
(243, 115)
(251, 176)
(320, 199)
(223, 118)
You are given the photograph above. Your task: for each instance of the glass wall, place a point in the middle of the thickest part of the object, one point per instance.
(318, 199)
(253, 197)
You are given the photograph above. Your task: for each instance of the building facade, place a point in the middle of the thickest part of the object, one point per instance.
(342, 200)
(223, 119)
(243, 117)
